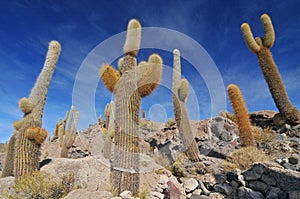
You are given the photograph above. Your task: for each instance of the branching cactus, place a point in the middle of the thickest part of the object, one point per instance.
(110, 131)
(240, 110)
(129, 85)
(31, 135)
(8, 169)
(261, 47)
(67, 134)
(180, 89)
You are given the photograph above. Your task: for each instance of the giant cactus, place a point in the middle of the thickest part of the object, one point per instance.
(180, 89)
(8, 169)
(241, 113)
(261, 47)
(129, 85)
(30, 134)
(67, 132)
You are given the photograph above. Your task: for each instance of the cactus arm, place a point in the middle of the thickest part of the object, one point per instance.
(183, 90)
(110, 128)
(149, 75)
(269, 33)
(109, 76)
(8, 169)
(249, 39)
(241, 113)
(133, 38)
(176, 71)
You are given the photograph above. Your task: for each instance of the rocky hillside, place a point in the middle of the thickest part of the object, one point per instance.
(225, 170)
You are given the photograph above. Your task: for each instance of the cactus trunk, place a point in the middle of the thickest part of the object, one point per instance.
(8, 169)
(276, 86)
(125, 170)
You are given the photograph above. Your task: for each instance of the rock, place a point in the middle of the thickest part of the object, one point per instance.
(197, 192)
(247, 193)
(268, 180)
(220, 178)
(199, 197)
(294, 194)
(203, 188)
(294, 159)
(223, 188)
(5, 185)
(156, 195)
(84, 193)
(231, 176)
(258, 186)
(289, 166)
(254, 173)
(209, 180)
(216, 196)
(126, 195)
(273, 193)
(190, 185)
(173, 191)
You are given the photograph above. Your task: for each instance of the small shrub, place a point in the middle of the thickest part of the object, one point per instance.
(263, 135)
(228, 115)
(145, 194)
(243, 158)
(41, 185)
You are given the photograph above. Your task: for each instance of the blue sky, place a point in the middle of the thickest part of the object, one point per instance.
(81, 26)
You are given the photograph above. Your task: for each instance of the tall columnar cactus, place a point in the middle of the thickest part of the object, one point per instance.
(180, 89)
(31, 136)
(261, 47)
(129, 84)
(241, 113)
(8, 169)
(107, 115)
(110, 131)
(67, 134)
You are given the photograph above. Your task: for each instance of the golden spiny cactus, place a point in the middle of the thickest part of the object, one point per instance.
(180, 88)
(242, 117)
(28, 149)
(8, 169)
(129, 84)
(261, 47)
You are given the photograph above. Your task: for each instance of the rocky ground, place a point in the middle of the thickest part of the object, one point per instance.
(166, 173)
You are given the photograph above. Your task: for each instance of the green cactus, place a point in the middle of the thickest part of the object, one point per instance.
(180, 89)
(241, 114)
(129, 85)
(110, 129)
(27, 149)
(261, 47)
(8, 169)
(67, 134)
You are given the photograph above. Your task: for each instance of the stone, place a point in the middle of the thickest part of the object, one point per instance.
(214, 195)
(190, 185)
(258, 186)
(247, 193)
(294, 194)
(223, 188)
(273, 193)
(220, 178)
(289, 166)
(126, 194)
(268, 180)
(156, 195)
(234, 185)
(231, 176)
(209, 180)
(203, 188)
(197, 192)
(6, 184)
(293, 160)
(199, 197)
(84, 193)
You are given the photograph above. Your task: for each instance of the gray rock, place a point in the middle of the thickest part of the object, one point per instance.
(197, 192)
(190, 185)
(216, 196)
(156, 195)
(220, 178)
(203, 188)
(268, 180)
(199, 197)
(289, 166)
(293, 159)
(223, 188)
(294, 194)
(247, 193)
(258, 186)
(273, 193)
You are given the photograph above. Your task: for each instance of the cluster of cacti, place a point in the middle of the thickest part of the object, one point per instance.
(180, 89)
(30, 134)
(241, 115)
(261, 47)
(110, 131)
(67, 133)
(129, 85)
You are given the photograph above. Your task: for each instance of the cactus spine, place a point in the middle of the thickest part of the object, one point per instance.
(130, 87)
(67, 134)
(180, 89)
(261, 47)
(8, 169)
(27, 149)
(241, 113)
(110, 131)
